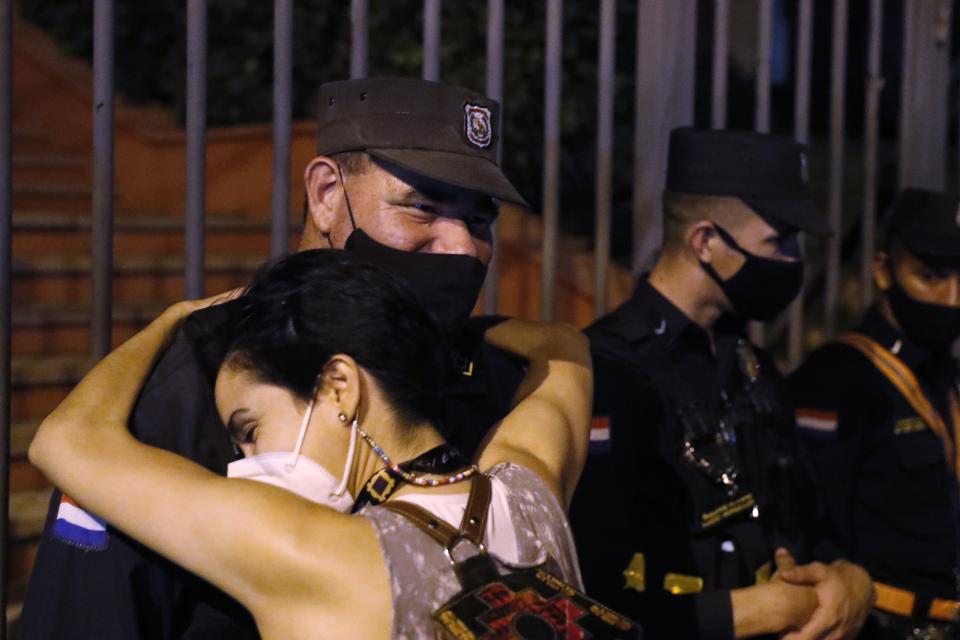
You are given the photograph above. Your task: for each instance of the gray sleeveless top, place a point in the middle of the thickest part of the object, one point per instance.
(421, 578)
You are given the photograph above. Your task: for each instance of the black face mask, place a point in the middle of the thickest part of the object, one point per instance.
(448, 284)
(762, 287)
(931, 326)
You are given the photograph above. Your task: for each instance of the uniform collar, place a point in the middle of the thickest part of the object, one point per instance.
(877, 327)
(659, 317)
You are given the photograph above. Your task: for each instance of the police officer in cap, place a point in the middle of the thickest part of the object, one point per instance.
(879, 411)
(406, 175)
(694, 480)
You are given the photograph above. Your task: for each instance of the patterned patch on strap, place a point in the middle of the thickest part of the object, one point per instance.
(79, 528)
(816, 420)
(600, 435)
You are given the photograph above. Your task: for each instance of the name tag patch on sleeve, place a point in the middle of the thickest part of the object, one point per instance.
(599, 435)
(817, 420)
(79, 528)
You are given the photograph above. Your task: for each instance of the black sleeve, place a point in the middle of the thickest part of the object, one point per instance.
(624, 505)
(127, 591)
(831, 404)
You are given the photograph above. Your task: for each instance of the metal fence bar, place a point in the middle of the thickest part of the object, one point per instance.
(551, 156)
(906, 82)
(761, 121)
(721, 46)
(431, 39)
(6, 249)
(838, 71)
(870, 139)
(196, 146)
(359, 12)
(606, 69)
(102, 206)
(494, 90)
(761, 114)
(801, 131)
(282, 114)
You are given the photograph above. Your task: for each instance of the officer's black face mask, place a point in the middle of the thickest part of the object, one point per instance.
(762, 287)
(931, 326)
(448, 284)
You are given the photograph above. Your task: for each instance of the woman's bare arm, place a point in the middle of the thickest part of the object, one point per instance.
(250, 539)
(548, 429)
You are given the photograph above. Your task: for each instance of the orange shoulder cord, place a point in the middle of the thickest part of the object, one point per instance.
(906, 382)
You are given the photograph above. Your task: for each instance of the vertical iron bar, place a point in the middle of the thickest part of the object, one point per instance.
(870, 139)
(494, 90)
(721, 46)
(906, 84)
(431, 39)
(835, 207)
(764, 41)
(282, 81)
(359, 12)
(102, 206)
(801, 131)
(604, 189)
(6, 249)
(761, 115)
(196, 145)
(551, 156)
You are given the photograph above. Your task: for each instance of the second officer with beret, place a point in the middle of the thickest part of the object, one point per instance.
(694, 477)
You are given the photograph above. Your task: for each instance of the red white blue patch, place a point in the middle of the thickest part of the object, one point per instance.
(600, 435)
(79, 528)
(818, 420)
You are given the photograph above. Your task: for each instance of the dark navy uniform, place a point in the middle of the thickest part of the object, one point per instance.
(879, 410)
(127, 591)
(883, 473)
(692, 478)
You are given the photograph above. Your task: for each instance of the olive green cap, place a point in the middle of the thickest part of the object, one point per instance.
(435, 130)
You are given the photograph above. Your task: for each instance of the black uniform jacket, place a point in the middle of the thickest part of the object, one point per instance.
(889, 490)
(126, 591)
(651, 523)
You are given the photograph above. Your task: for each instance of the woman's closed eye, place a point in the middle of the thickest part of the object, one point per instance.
(245, 433)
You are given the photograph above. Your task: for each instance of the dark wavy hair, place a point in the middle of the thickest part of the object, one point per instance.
(307, 307)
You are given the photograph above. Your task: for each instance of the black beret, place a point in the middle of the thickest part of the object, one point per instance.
(768, 173)
(435, 130)
(927, 223)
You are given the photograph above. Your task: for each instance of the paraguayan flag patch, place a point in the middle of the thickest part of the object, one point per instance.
(817, 420)
(79, 528)
(599, 435)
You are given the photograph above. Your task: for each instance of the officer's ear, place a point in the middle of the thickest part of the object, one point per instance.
(324, 195)
(699, 236)
(882, 270)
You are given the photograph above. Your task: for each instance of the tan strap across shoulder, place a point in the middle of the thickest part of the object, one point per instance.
(906, 382)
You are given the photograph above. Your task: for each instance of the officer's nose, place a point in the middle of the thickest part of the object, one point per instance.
(453, 237)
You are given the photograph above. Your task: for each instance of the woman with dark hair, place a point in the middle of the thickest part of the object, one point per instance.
(332, 390)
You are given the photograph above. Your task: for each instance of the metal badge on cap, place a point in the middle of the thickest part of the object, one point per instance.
(477, 125)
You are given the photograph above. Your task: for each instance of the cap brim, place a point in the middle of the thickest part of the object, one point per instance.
(467, 172)
(802, 215)
(924, 244)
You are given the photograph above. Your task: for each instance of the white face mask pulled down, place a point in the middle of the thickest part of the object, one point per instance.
(291, 471)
